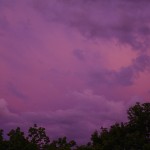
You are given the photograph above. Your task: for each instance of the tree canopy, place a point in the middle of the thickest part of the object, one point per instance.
(131, 135)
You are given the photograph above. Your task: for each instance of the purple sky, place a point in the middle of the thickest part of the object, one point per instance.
(72, 66)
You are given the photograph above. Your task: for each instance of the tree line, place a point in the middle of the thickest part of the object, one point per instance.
(131, 135)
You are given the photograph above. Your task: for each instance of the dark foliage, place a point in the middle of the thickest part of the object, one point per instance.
(132, 135)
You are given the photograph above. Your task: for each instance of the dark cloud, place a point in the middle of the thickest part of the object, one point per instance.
(126, 21)
(142, 63)
(125, 76)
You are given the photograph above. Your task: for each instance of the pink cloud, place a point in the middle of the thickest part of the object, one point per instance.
(67, 65)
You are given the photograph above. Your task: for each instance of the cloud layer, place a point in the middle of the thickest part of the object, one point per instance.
(72, 66)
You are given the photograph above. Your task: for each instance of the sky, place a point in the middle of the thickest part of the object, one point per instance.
(72, 66)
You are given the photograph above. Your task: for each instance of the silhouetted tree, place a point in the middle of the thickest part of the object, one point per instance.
(138, 135)
(62, 144)
(17, 140)
(133, 135)
(2, 142)
(38, 137)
